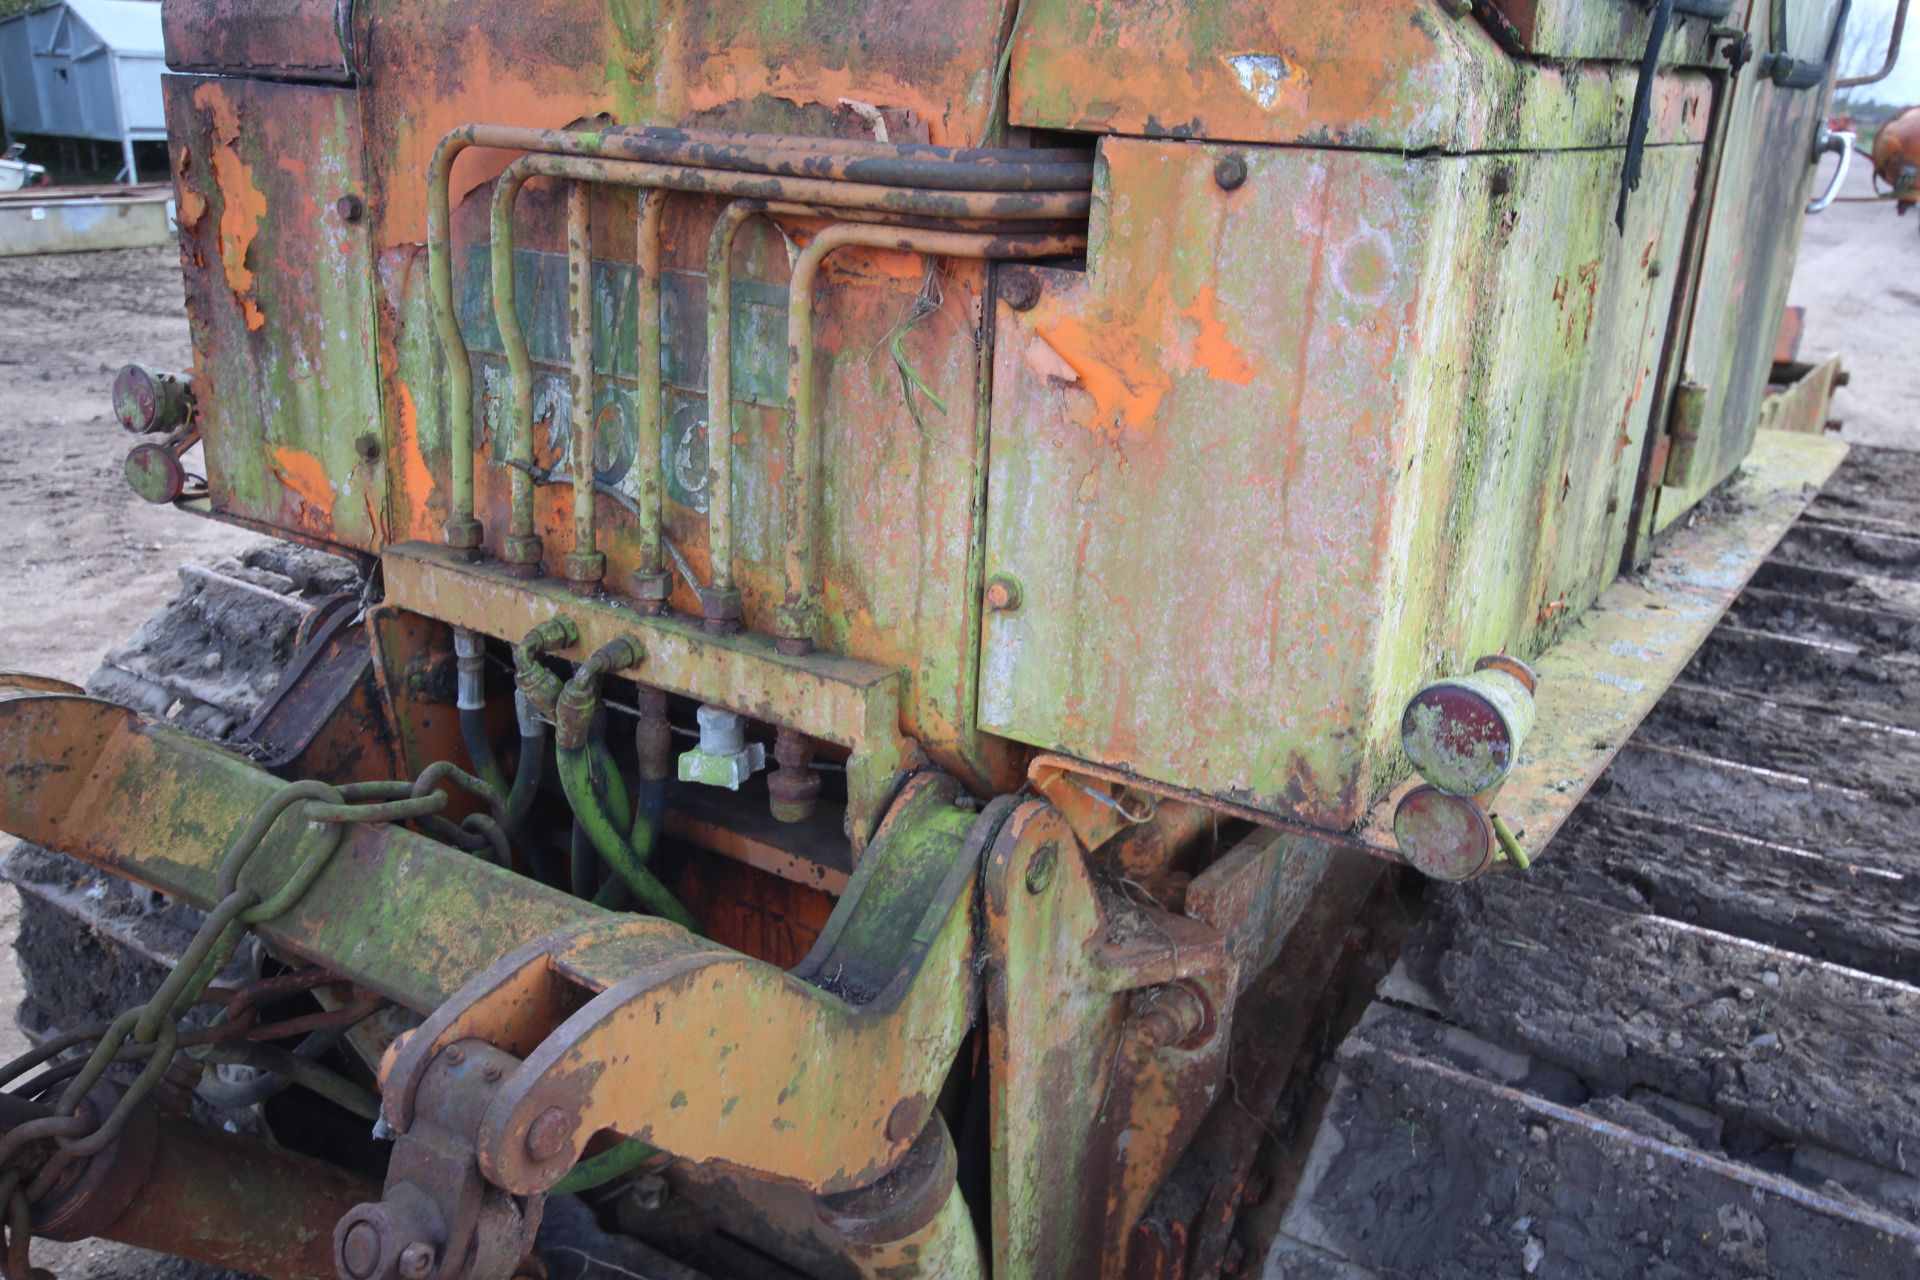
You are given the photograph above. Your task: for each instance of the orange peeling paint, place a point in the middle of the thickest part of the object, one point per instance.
(242, 203)
(1212, 349)
(301, 472)
(416, 478)
(1126, 387)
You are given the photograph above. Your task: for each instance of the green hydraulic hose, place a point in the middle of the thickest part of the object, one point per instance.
(624, 854)
(596, 1171)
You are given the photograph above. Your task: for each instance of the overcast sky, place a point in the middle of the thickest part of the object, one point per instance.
(1903, 86)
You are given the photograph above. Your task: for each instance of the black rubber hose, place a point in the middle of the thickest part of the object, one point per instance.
(479, 744)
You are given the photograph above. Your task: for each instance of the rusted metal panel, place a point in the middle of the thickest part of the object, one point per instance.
(838, 67)
(900, 466)
(1394, 74)
(268, 39)
(1107, 1029)
(1753, 236)
(280, 296)
(1256, 487)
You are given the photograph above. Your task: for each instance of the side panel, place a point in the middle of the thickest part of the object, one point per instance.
(1753, 236)
(1286, 451)
(1407, 75)
(280, 297)
(297, 39)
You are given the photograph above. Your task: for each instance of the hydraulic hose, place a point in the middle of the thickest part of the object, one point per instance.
(600, 804)
(470, 648)
(628, 855)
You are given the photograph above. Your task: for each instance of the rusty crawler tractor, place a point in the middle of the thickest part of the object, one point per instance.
(921, 562)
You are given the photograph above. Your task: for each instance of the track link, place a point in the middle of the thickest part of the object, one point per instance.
(1688, 1043)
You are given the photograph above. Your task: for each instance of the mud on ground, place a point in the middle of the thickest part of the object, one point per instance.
(84, 561)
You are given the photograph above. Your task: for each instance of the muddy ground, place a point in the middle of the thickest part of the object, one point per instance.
(84, 562)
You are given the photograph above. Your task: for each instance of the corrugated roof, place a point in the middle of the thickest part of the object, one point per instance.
(127, 26)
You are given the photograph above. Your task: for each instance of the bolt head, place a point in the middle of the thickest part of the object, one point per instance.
(1003, 593)
(548, 1134)
(349, 208)
(1229, 172)
(417, 1261)
(1020, 291)
(360, 1250)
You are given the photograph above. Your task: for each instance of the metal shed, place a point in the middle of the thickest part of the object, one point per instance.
(86, 69)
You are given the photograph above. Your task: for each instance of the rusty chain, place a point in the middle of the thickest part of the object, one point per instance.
(152, 1032)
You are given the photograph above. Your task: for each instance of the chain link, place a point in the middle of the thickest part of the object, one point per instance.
(152, 1032)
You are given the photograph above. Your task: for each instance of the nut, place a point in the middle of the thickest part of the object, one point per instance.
(350, 208)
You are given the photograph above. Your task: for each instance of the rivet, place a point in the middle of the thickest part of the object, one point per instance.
(1230, 171)
(350, 208)
(1003, 593)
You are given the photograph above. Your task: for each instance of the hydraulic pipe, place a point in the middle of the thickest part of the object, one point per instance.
(1055, 186)
(462, 529)
(797, 613)
(625, 845)
(585, 565)
(521, 547)
(719, 601)
(652, 584)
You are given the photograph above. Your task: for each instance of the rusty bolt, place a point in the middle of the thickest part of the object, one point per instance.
(491, 1073)
(1020, 290)
(360, 1250)
(417, 1261)
(1003, 593)
(350, 208)
(1174, 1016)
(547, 1135)
(1229, 172)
